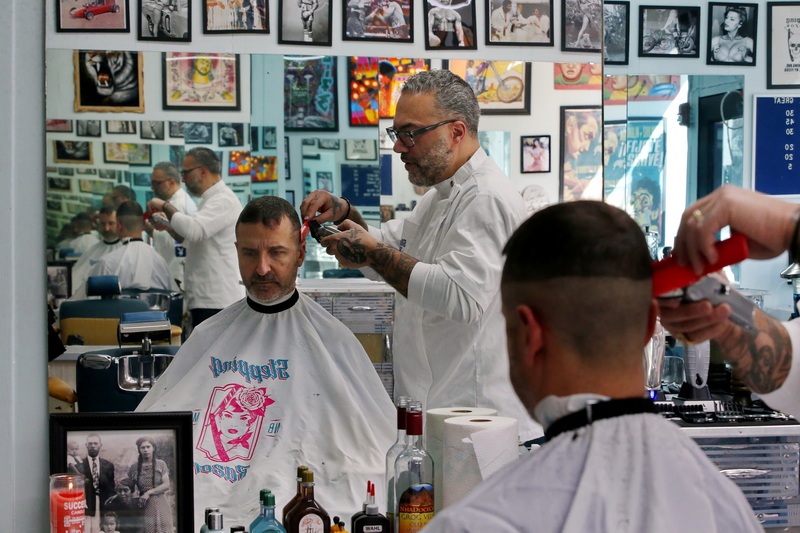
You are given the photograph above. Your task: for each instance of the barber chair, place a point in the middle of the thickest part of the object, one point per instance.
(117, 379)
(96, 320)
(161, 300)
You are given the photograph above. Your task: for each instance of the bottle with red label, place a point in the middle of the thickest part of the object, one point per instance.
(307, 516)
(413, 474)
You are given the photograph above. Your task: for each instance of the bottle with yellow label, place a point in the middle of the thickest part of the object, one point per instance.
(413, 474)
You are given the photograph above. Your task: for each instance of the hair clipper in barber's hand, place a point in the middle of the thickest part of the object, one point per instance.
(717, 290)
(319, 231)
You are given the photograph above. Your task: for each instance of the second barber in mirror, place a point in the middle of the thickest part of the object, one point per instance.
(445, 258)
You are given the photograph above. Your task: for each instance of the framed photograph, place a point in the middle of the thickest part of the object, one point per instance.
(289, 195)
(107, 174)
(392, 74)
(783, 45)
(615, 164)
(286, 165)
(365, 149)
(581, 176)
(450, 25)
(239, 163)
(244, 16)
(120, 443)
(59, 184)
(104, 16)
(130, 153)
(176, 129)
(64, 126)
(645, 174)
(519, 24)
(198, 132)
(325, 181)
(201, 82)
(669, 31)
(269, 137)
(310, 93)
(385, 20)
(66, 171)
(230, 134)
(59, 274)
(254, 145)
(152, 129)
(86, 185)
(535, 156)
(263, 168)
(617, 25)
(305, 22)
(502, 87)
(581, 25)
(121, 127)
(122, 72)
(165, 20)
(329, 144)
(362, 74)
(115, 153)
(88, 128)
(72, 152)
(92, 171)
(732, 34)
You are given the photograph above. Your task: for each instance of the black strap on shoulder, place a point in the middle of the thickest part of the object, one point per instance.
(598, 411)
(277, 308)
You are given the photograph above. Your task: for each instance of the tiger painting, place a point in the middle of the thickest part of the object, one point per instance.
(108, 81)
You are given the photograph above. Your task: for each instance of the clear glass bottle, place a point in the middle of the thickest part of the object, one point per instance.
(413, 473)
(308, 516)
(391, 456)
(297, 496)
(266, 522)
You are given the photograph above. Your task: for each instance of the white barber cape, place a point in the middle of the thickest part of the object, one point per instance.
(272, 388)
(626, 474)
(80, 270)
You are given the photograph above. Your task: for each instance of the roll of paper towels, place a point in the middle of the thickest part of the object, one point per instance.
(434, 440)
(474, 449)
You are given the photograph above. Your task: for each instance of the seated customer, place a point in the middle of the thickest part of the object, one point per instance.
(136, 263)
(576, 291)
(276, 382)
(107, 226)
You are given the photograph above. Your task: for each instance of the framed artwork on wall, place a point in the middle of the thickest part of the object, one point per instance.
(535, 154)
(92, 93)
(239, 163)
(392, 74)
(127, 153)
(365, 149)
(88, 128)
(329, 144)
(269, 137)
(103, 16)
(732, 34)
(72, 152)
(230, 134)
(165, 20)
(450, 25)
(581, 173)
(176, 129)
(244, 16)
(310, 93)
(121, 127)
(362, 73)
(201, 82)
(617, 30)
(198, 132)
(783, 45)
(669, 31)
(384, 20)
(263, 168)
(64, 126)
(581, 25)
(305, 22)
(152, 129)
(518, 23)
(501, 87)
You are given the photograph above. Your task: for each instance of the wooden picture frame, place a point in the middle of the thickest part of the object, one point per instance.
(386, 20)
(522, 25)
(307, 24)
(310, 107)
(228, 17)
(360, 149)
(438, 19)
(617, 26)
(534, 154)
(100, 16)
(72, 152)
(731, 37)
(125, 68)
(783, 45)
(201, 82)
(165, 20)
(119, 438)
(581, 25)
(669, 31)
(501, 87)
(580, 175)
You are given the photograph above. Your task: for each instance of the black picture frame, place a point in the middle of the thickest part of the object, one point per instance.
(783, 67)
(198, 132)
(617, 30)
(534, 154)
(186, 81)
(313, 108)
(169, 432)
(580, 164)
(176, 129)
(88, 128)
(151, 130)
(436, 39)
(365, 21)
(516, 76)
(165, 20)
(329, 144)
(230, 134)
(742, 49)
(295, 29)
(581, 25)
(121, 127)
(108, 16)
(269, 137)
(521, 27)
(286, 162)
(218, 17)
(360, 149)
(682, 40)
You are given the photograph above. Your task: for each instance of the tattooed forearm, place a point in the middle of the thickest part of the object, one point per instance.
(761, 357)
(393, 265)
(351, 248)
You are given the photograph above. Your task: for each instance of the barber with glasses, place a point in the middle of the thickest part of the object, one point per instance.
(445, 259)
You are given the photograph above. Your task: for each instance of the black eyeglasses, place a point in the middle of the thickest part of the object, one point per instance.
(407, 137)
(155, 183)
(185, 172)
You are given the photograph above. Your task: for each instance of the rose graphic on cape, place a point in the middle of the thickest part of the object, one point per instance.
(233, 422)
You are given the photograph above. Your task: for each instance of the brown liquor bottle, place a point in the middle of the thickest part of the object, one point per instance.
(307, 516)
(297, 496)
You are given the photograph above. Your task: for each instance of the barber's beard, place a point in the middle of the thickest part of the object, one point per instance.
(429, 169)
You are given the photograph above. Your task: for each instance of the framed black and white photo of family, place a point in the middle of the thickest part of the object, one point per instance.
(617, 24)
(783, 46)
(519, 23)
(669, 31)
(305, 22)
(139, 451)
(378, 20)
(450, 25)
(732, 34)
(581, 25)
(235, 16)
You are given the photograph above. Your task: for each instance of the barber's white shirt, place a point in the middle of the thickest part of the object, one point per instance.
(163, 241)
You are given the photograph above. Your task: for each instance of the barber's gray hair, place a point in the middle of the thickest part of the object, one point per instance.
(169, 170)
(452, 95)
(206, 158)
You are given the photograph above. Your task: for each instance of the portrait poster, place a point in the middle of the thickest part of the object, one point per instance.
(535, 154)
(581, 173)
(519, 23)
(617, 30)
(577, 76)
(72, 152)
(615, 163)
(305, 22)
(380, 20)
(363, 77)
(501, 87)
(310, 93)
(107, 80)
(263, 168)
(732, 34)
(201, 81)
(237, 16)
(783, 45)
(392, 74)
(669, 31)
(101, 16)
(645, 150)
(450, 25)
(239, 163)
(615, 90)
(165, 20)
(581, 25)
